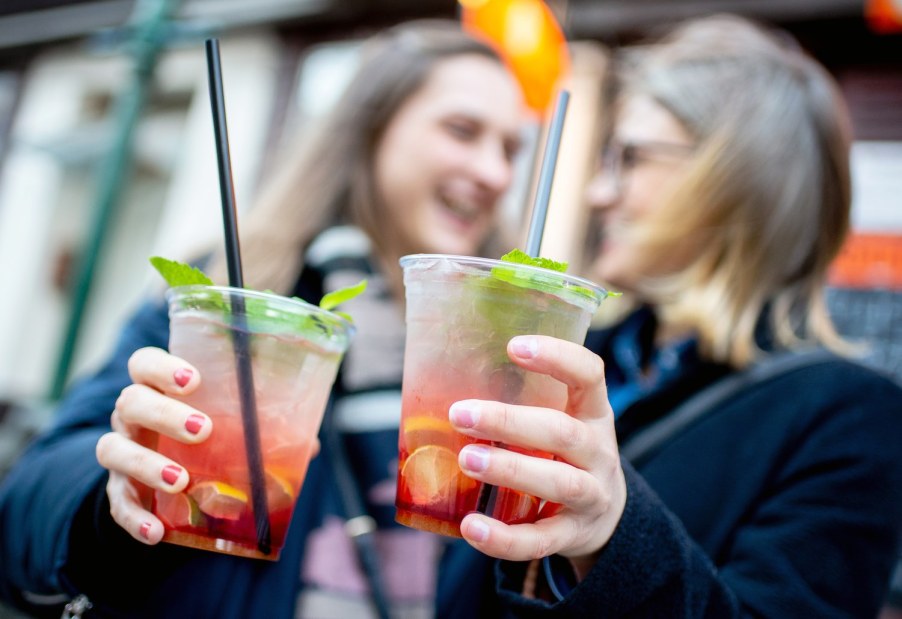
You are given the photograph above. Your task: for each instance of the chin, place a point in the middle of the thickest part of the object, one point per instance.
(456, 245)
(606, 270)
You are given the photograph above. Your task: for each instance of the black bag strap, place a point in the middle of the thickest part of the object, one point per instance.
(360, 525)
(644, 444)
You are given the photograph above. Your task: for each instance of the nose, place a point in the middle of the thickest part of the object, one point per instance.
(602, 191)
(492, 168)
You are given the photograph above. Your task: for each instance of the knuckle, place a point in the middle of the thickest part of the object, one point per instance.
(605, 493)
(101, 450)
(116, 510)
(543, 545)
(138, 461)
(596, 369)
(579, 530)
(511, 466)
(509, 545)
(128, 399)
(574, 487)
(136, 359)
(160, 411)
(506, 417)
(569, 433)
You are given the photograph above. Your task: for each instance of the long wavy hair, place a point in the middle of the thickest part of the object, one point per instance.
(329, 179)
(766, 198)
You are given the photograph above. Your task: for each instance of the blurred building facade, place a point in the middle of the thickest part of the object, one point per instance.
(65, 68)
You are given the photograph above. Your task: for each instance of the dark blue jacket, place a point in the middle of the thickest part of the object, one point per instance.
(784, 502)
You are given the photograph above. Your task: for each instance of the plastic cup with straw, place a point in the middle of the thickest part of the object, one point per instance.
(267, 364)
(488, 492)
(461, 312)
(236, 280)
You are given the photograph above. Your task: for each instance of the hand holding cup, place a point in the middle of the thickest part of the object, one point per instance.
(144, 410)
(583, 485)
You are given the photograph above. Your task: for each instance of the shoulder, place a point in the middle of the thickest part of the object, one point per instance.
(836, 406)
(834, 381)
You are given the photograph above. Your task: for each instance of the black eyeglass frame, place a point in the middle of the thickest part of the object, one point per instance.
(618, 157)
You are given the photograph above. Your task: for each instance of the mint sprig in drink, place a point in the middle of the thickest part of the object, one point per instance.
(295, 349)
(461, 313)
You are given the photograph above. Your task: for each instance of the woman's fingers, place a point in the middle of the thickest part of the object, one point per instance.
(586, 480)
(128, 512)
(551, 480)
(164, 372)
(529, 427)
(140, 406)
(572, 364)
(577, 530)
(133, 469)
(121, 455)
(522, 542)
(144, 410)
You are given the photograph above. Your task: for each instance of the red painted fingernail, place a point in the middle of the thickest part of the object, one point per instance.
(171, 473)
(194, 423)
(182, 376)
(145, 530)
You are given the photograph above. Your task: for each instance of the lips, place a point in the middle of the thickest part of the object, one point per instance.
(463, 208)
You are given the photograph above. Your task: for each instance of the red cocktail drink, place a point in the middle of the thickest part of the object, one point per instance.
(461, 313)
(294, 350)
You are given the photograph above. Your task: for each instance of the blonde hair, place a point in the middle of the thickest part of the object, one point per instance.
(329, 180)
(765, 201)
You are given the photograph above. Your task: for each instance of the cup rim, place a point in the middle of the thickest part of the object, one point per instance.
(573, 280)
(298, 303)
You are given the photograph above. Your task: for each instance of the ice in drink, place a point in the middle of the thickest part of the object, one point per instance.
(461, 313)
(295, 350)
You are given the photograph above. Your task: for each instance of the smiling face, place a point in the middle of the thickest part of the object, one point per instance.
(446, 156)
(650, 151)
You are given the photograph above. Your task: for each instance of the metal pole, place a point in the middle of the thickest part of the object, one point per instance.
(150, 23)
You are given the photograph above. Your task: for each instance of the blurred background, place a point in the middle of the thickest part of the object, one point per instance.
(107, 152)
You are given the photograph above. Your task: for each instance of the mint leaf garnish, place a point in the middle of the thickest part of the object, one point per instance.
(345, 315)
(179, 274)
(518, 256)
(538, 281)
(342, 295)
(549, 283)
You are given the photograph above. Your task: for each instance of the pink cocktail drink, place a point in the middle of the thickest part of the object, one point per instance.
(461, 313)
(294, 350)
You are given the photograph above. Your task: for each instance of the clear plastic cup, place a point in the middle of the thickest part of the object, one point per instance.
(295, 349)
(461, 314)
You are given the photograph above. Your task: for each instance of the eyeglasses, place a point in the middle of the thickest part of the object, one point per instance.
(617, 158)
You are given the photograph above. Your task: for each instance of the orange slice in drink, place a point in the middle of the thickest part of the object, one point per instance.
(178, 510)
(279, 493)
(219, 500)
(422, 430)
(432, 475)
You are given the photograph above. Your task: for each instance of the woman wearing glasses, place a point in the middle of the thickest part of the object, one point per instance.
(731, 462)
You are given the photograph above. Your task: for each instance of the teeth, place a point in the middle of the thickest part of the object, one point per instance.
(465, 210)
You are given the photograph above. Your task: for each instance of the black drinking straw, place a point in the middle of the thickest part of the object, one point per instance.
(239, 322)
(485, 504)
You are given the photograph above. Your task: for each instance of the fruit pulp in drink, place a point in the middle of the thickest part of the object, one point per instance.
(292, 379)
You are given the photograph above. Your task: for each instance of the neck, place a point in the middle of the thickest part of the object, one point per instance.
(668, 332)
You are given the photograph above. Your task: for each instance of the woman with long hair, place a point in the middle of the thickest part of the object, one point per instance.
(728, 460)
(414, 157)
